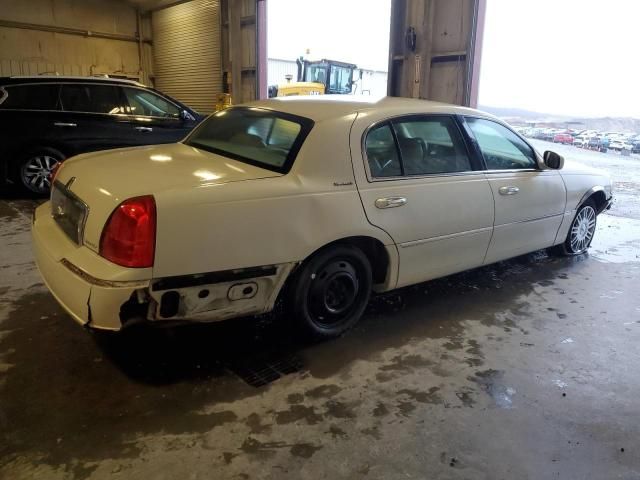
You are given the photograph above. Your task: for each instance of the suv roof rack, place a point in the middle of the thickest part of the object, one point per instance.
(103, 78)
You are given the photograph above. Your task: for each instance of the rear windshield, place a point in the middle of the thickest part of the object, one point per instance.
(257, 136)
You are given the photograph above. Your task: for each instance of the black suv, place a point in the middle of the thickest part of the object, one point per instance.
(44, 120)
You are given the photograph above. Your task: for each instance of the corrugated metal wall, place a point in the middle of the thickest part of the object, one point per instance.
(187, 52)
(33, 51)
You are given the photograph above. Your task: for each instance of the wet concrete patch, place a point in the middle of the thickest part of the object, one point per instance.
(617, 240)
(298, 413)
(492, 381)
(67, 397)
(430, 396)
(253, 446)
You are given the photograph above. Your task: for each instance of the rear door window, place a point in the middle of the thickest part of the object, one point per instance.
(431, 145)
(87, 98)
(382, 153)
(145, 103)
(31, 97)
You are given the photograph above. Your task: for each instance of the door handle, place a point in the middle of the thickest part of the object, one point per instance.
(508, 190)
(65, 124)
(144, 129)
(390, 202)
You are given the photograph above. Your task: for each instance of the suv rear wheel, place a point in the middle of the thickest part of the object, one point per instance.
(36, 168)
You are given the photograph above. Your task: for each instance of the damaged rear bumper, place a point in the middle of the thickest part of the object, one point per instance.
(103, 304)
(90, 301)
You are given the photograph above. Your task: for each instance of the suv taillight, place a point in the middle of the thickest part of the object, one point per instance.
(129, 236)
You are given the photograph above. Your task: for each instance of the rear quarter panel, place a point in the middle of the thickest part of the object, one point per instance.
(265, 221)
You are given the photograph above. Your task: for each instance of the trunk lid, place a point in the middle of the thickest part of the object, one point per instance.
(103, 180)
(129, 172)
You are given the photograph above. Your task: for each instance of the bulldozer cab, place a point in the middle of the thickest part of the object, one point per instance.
(337, 77)
(317, 78)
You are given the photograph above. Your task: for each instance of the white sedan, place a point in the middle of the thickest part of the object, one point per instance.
(316, 202)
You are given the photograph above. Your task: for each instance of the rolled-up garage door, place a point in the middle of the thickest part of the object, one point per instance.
(187, 52)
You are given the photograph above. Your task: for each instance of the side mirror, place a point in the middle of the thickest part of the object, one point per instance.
(186, 116)
(553, 160)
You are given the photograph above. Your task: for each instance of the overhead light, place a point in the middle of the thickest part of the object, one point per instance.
(160, 158)
(206, 175)
(233, 167)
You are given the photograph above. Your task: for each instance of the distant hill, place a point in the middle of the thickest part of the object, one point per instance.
(517, 112)
(604, 124)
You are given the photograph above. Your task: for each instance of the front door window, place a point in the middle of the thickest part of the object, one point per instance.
(501, 148)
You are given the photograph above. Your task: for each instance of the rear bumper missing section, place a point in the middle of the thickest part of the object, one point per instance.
(216, 296)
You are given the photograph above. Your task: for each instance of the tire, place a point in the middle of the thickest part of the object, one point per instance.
(330, 291)
(581, 232)
(35, 169)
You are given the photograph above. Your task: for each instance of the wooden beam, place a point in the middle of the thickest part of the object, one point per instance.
(235, 47)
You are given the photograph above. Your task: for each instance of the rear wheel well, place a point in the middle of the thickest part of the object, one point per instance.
(374, 250)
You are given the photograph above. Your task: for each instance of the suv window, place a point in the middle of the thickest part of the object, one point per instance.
(31, 97)
(149, 104)
(431, 145)
(501, 148)
(91, 98)
(382, 153)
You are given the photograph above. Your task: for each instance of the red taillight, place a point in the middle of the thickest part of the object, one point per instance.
(129, 236)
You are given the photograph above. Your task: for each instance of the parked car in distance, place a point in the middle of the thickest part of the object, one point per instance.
(47, 119)
(311, 200)
(546, 134)
(620, 144)
(580, 142)
(563, 138)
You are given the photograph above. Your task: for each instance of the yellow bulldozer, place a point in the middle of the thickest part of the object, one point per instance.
(317, 78)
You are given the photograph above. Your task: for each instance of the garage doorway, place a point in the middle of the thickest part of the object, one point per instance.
(354, 33)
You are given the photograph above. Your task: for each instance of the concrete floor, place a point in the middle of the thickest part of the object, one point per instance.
(523, 369)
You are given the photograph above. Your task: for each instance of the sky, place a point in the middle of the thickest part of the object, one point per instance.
(573, 57)
(328, 30)
(568, 57)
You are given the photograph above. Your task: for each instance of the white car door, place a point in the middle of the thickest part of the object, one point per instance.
(529, 200)
(419, 183)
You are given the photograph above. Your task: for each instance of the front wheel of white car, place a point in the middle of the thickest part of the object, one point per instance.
(582, 230)
(330, 291)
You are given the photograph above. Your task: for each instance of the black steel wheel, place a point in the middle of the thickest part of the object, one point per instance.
(331, 291)
(36, 168)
